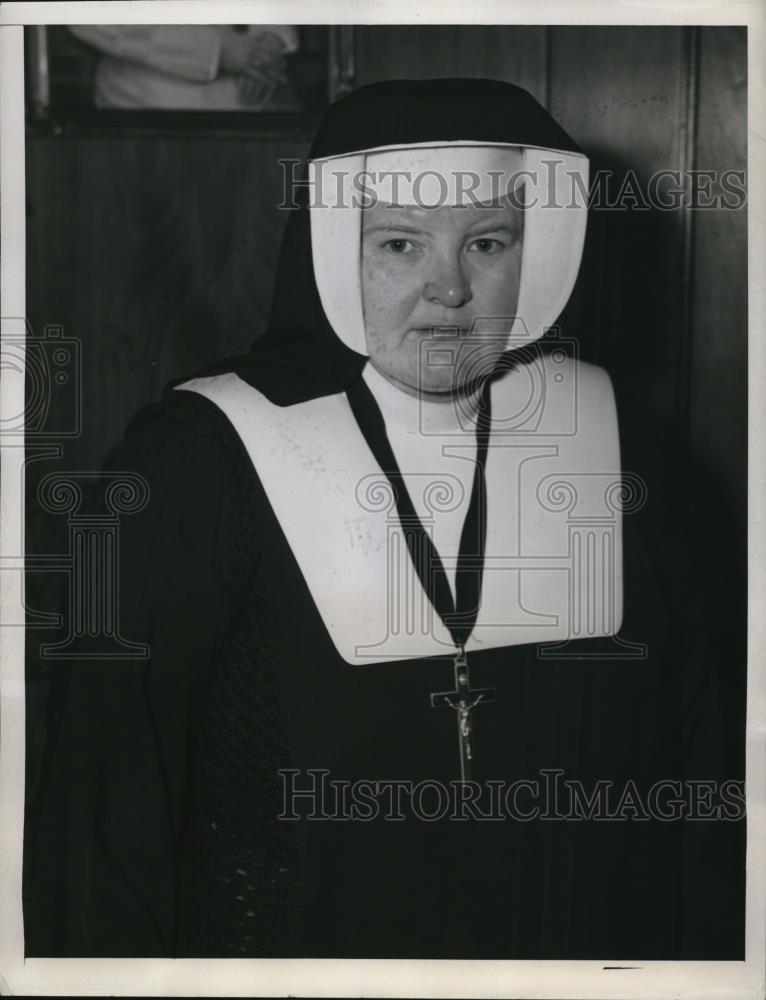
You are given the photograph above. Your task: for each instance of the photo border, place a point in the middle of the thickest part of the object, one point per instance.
(307, 977)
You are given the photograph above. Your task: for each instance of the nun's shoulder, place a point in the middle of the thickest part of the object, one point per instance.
(182, 433)
(556, 372)
(581, 377)
(200, 508)
(552, 393)
(592, 395)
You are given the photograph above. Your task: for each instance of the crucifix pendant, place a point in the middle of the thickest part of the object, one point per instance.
(463, 700)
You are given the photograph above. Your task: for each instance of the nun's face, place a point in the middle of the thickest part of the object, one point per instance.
(440, 288)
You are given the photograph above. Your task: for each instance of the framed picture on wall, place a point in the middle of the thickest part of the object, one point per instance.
(252, 74)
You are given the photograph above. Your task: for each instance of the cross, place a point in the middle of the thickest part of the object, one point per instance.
(462, 699)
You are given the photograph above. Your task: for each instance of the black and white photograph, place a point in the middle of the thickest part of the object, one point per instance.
(378, 497)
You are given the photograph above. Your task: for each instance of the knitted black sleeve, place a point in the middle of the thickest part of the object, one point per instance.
(153, 832)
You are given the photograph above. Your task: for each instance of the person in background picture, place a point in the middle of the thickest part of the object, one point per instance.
(192, 68)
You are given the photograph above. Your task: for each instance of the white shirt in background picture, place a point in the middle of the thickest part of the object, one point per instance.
(192, 67)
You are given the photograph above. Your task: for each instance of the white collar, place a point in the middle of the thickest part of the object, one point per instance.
(553, 565)
(412, 415)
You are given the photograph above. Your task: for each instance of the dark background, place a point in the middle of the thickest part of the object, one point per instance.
(154, 245)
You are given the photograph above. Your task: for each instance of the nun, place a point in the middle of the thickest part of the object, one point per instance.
(423, 642)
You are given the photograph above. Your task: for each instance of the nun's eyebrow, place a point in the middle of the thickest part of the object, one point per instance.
(488, 227)
(389, 227)
(497, 227)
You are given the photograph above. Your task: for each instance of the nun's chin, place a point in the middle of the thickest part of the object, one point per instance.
(436, 384)
(425, 384)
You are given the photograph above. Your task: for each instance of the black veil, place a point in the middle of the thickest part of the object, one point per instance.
(299, 357)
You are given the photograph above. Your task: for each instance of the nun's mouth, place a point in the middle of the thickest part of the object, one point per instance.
(447, 331)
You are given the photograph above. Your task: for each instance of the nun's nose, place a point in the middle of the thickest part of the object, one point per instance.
(448, 283)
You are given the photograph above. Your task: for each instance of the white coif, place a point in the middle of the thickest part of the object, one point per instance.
(552, 185)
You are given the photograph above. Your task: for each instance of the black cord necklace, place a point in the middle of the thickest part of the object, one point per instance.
(458, 615)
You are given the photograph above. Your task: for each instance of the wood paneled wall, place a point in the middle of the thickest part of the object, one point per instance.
(516, 54)
(717, 388)
(159, 253)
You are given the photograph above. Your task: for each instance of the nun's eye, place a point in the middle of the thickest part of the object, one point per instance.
(485, 245)
(399, 246)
